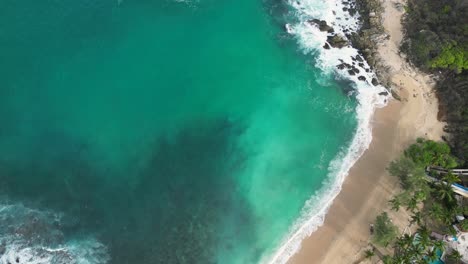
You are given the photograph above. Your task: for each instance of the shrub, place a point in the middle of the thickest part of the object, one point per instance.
(430, 153)
(452, 57)
(384, 231)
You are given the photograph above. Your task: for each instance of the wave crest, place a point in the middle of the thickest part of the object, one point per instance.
(311, 40)
(35, 237)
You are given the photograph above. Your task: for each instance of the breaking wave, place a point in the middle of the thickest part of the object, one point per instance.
(370, 95)
(32, 236)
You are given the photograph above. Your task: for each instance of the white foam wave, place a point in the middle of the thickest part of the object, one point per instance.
(311, 40)
(34, 237)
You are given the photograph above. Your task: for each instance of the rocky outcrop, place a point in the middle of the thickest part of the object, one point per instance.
(375, 82)
(322, 25)
(369, 36)
(337, 41)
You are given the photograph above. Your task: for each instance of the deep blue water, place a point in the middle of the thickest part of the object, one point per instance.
(159, 131)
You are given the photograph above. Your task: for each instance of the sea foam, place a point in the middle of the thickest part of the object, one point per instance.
(311, 40)
(33, 236)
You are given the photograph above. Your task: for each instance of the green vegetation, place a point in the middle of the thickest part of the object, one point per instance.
(455, 256)
(368, 254)
(432, 205)
(385, 230)
(452, 57)
(437, 42)
(430, 153)
(415, 249)
(404, 167)
(434, 27)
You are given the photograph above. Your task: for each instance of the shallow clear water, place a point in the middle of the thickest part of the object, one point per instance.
(170, 132)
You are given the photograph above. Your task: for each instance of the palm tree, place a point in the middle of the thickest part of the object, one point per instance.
(404, 242)
(433, 256)
(439, 245)
(420, 195)
(389, 260)
(424, 236)
(412, 204)
(464, 225)
(416, 251)
(451, 178)
(369, 253)
(445, 192)
(396, 203)
(436, 211)
(455, 256)
(400, 259)
(447, 218)
(416, 218)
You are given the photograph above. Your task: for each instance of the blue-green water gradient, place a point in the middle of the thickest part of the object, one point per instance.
(175, 132)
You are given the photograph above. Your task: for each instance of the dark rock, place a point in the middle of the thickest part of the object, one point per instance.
(361, 78)
(340, 66)
(337, 41)
(322, 24)
(361, 65)
(359, 58)
(356, 70)
(351, 72)
(325, 27)
(375, 82)
(383, 93)
(326, 46)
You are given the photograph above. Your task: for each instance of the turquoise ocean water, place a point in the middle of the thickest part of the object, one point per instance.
(159, 131)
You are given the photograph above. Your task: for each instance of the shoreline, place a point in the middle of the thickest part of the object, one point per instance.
(368, 187)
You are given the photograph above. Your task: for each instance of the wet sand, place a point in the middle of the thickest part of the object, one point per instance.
(368, 187)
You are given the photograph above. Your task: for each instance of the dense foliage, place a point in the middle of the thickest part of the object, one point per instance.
(452, 56)
(430, 201)
(437, 42)
(385, 230)
(430, 153)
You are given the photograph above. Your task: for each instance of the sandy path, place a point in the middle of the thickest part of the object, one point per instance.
(367, 189)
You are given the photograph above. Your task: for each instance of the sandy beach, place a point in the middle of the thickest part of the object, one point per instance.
(368, 187)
